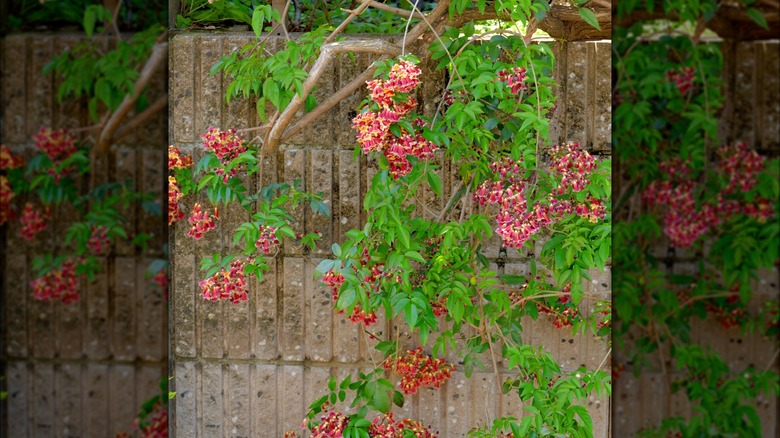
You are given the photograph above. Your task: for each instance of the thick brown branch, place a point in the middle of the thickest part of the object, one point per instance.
(397, 11)
(327, 53)
(346, 21)
(156, 106)
(158, 56)
(331, 101)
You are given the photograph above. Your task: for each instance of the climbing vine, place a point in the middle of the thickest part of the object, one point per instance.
(425, 269)
(684, 198)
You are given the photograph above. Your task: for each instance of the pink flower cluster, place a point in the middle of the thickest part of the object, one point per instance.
(516, 224)
(371, 281)
(563, 310)
(267, 242)
(684, 223)
(160, 279)
(332, 425)
(175, 161)
(514, 79)
(227, 146)
(32, 222)
(418, 369)
(8, 160)
(59, 284)
(201, 222)
(57, 145)
(402, 78)
(6, 194)
(99, 242)
(573, 164)
(158, 426)
(386, 426)
(741, 166)
(374, 126)
(682, 79)
(226, 285)
(174, 195)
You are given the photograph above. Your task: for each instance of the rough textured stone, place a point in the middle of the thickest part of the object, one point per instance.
(291, 338)
(212, 401)
(95, 395)
(182, 88)
(18, 386)
(318, 314)
(124, 318)
(265, 333)
(265, 399)
(15, 317)
(184, 406)
(121, 389)
(291, 398)
(238, 400)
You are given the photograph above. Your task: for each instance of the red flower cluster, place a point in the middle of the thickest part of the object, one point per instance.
(683, 222)
(332, 425)
(226, 285)
(564, 311)
(573, 164)
(385, 426)
(372, 282)
(374, 126)
(60, 284)
(201, 222)
(683, 79)
(515, 223)
(741, 166)
(32, 222)
(174, 195)
(158, 427)
(514, 79)
(161, 280)
(98, 242)
(267, 242)
(418, 369)
(226, 145)
(402, 78)
(6, 194)
(175, 161)
(8, 160)
(57, 145)
(449, 97)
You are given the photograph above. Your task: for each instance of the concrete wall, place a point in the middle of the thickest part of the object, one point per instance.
(251, 370)
(79, 370)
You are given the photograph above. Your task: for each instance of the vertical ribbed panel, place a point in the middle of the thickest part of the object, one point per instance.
(81, 369)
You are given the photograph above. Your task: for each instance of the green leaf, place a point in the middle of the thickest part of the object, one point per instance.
(381, 400)
(435, 182)
(258, 18)
(758, 17)
(90, 17)
(589, 17)
(398, 399)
